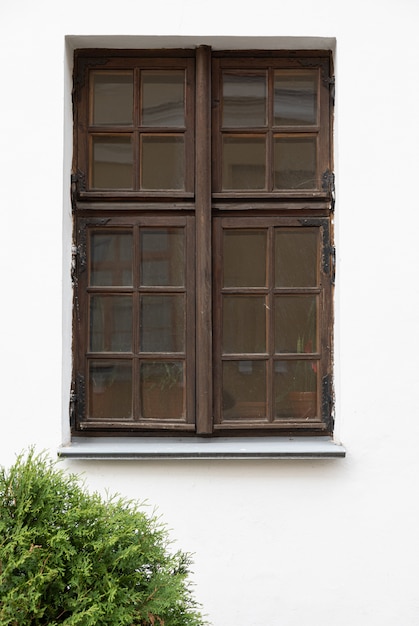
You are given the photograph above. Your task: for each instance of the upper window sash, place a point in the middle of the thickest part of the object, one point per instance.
(271, 127)
(134, 126)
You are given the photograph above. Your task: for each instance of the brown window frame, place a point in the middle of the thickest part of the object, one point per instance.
(202, 206)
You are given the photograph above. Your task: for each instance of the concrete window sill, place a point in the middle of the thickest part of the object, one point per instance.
(119, 448)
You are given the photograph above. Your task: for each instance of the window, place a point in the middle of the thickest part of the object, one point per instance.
(202, 193)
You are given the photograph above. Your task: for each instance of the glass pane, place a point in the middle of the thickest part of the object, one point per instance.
(162, 390)
(162, 257)
(295, 324)
(112, 98)
(111, 259)
(244, 389)
(244, 100)
(295, 391)
(244, 258)
(110, 323)
(296, 257)
(163, 98)
(244, 324)
(295, 162)
(244, 162)
(163, 162)
(295, 99)
(162, 326)
(112, 162)
(110, 389)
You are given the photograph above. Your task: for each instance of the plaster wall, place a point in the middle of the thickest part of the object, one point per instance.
(287, 543)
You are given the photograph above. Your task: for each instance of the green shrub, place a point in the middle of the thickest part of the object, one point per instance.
(71, 557)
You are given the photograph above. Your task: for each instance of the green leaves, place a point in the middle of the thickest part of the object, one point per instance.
(70, 557)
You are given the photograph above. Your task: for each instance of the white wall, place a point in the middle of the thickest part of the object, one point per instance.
(287, 543)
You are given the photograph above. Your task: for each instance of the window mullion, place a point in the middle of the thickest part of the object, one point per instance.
(270, 313)
(204, 403)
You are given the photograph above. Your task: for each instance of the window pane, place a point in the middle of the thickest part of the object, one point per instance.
(295, 389)
(111, 259)
(295, 324)
(295, 99)
(111, 323)
(163, 162)
(112, 162)
(244, 324)
(112, 98)
(244, 258)
(244, 100)
(244, 162)
(163, 98)
(110, 389)
(295, 162)
(162, 325)
(162, 390)
(244, 389)
(296, 257)
(162, 257)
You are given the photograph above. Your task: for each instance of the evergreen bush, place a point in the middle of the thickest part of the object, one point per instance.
(70, 557)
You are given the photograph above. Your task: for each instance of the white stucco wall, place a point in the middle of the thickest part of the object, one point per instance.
(287, 543)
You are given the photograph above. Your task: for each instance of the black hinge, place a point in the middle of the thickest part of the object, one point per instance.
(329, 81)
(332, 264)
(78, 183)
(77, 399)
(328, 181)
(328, 185)
(78, 261)
(328, 401)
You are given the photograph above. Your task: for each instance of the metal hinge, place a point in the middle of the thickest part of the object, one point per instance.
(332, 264)
(78, 260)
(328, 400)
(73, 406)
(78, 183)
(77, 398)
(329, 81)
(328, 181)
(328, 185)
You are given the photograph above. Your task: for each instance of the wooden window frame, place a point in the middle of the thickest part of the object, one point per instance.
(202, 202)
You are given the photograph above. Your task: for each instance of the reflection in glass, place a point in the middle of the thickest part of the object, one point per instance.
(111, 258)
(112, 162)
(163, 98)
(295, 99)
(295, 389)
(244, 389)
(110, 323)
(244, 100)
(244, 324)
(162, 389)
(244, 258)
(162, 162)
(162, 325)
(295, 324)
(244, 162)
(295, 163)
(112, 98)
(110, 389)
(162, 257)
(296, 257)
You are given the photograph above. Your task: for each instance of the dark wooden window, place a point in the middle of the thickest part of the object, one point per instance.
(202, 192)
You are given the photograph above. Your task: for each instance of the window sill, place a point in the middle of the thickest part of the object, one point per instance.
(119, 448)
